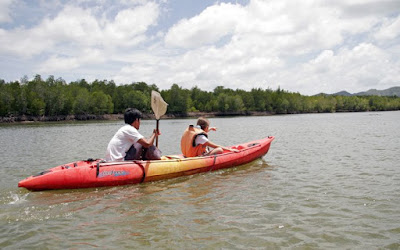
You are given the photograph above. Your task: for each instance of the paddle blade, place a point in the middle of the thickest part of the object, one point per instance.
(158, 105)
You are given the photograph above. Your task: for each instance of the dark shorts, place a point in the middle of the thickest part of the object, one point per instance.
(138, 152)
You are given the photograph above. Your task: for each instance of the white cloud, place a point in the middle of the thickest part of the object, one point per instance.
(310, 47)
(354, 9)
(354, 70)
(5, 11)
(273, 26)
(75, 37)
(130, 25)
(267, 35)
(23, 43)
(390, 29)
(209, 27)
(77, 27)
(65, 63)
(72, 24)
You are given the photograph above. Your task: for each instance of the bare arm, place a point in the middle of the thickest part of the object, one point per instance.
(150, 141)
(212, 129)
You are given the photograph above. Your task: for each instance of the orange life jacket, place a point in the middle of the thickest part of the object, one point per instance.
(188, 142)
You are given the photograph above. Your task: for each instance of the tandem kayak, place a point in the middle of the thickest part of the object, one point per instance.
(98, 173)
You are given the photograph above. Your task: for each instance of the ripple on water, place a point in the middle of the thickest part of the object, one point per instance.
(329, 181)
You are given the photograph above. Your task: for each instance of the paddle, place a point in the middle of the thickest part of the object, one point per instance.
(159, 107)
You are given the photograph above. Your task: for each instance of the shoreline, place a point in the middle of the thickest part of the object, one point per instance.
(115, 117)
(146, 116)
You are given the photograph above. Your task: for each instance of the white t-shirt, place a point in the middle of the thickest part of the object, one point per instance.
(121, 142)
(200, 139)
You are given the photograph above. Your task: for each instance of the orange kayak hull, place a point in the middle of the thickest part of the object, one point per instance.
(98, 173)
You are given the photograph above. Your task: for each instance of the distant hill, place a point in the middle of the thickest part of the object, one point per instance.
(386, 92)
(343, 93)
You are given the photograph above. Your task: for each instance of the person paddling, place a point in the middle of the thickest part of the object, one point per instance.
(195, 142)
(128, 143)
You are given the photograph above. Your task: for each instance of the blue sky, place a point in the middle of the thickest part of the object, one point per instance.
(301, 46)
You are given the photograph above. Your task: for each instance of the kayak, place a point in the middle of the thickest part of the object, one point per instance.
(99, 173)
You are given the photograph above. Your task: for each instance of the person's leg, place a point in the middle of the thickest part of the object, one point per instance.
(134, 152)
(152, 153)
(215, 151)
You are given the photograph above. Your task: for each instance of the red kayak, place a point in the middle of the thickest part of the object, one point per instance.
(98, 173)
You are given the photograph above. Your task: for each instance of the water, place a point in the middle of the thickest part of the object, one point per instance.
(329, 181)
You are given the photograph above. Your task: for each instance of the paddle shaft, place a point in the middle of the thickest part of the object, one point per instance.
(157, 132)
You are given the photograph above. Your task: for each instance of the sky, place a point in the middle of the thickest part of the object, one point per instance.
(304, 46)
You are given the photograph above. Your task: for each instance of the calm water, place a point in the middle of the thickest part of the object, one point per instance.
(328, 181)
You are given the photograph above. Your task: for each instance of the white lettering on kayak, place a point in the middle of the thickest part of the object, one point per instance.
(115, 173)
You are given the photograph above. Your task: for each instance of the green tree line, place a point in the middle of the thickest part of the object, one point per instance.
(52, 97)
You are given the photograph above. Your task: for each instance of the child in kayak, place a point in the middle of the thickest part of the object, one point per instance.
(195, 140)
(127, 143)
